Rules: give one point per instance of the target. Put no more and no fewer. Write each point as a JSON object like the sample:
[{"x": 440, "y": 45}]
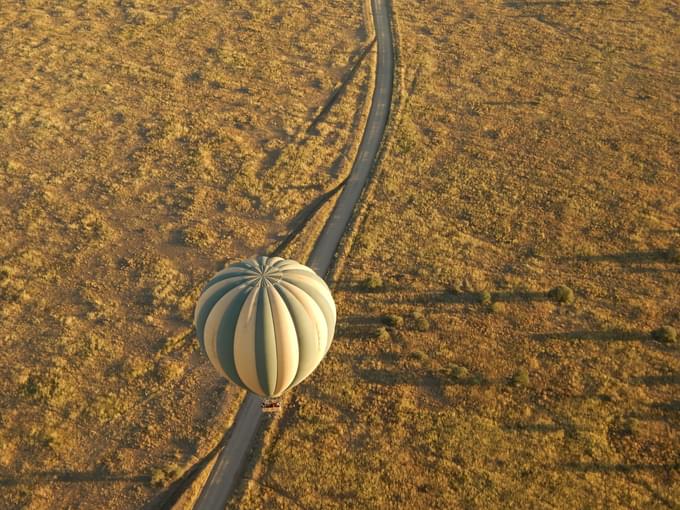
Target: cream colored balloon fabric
[{"x": 266, "y": 323}]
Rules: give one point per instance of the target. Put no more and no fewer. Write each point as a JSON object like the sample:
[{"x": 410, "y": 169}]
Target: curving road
[{"x": 225, "y": 473}]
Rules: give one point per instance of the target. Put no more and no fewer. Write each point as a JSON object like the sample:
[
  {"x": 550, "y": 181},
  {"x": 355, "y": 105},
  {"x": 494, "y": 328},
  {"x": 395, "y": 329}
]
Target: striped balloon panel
[{"x": 265, "y": 323}]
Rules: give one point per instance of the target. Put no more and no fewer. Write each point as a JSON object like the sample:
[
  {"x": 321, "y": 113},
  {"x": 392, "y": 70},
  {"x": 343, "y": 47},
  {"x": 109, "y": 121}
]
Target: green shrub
[
  {"x": 372, "y": 282},
  {"x": 496, "y": 307},
  {"x": 422, "y": 324},
  {"x": 382, "y": 334},
  {"x": 630, "y": 426},
  {"x": 562, "y": 294},
  {"x": 6, "y": 273},
  {"x": 458, "y": 373},
  {"x": 394, "y": 321},
  {"x": 418, "y": 355},
  {"x": 133, "y": 368},
  {"x": 163, "y": 476},
  {"x": 666, "y": 334},
  {"x": 169, "y": 370},
  {"x": 521, "y": 377},
  {"x": 485, "y": 297},
  {"x": 456, "y": 287},
  {"x": 673, "y": 254}
]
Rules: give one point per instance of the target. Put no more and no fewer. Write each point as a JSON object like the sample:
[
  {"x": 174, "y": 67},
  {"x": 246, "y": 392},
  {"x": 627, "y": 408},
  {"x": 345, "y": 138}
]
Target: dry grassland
[
  {"x": 142, "y": 145},
  {"x": 537, "y": 147}
]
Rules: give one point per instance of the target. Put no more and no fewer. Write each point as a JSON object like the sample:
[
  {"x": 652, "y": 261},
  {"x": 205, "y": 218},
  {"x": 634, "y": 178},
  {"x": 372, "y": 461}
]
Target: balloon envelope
[{"x": 265, "y": 323}]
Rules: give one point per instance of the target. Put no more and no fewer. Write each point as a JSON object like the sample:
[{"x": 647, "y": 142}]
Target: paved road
[{"x": 225, "y": 473}]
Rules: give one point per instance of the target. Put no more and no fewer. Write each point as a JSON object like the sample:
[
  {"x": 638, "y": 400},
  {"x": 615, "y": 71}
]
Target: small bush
[
  {"x": 158, "y": 478},
  {"x": 666, "y": 334},
  {"x": 521, "y": 377},
  {"x": 382, "y": 334},
  {"x": 459, "y": 373},
  {"x": 562, "y": 294},
  {"x": 422, "y": 324},
  {"x": 496, "y": 307},
  {"x": 163, "y": 476},
  {"x": 485, "y": 297},
  {"x": 133, "y": 367},
  {"x": 6, "y": 273},
  {"x": 630, "y": 426},
  {"x": 372, "y": 282},
  {"x": 169, "y": 370},
  {"x": 456, "y": 287},
  {"x": 418, "y": 355},
  {"x": 673, "y": 254},
  {"x": 394, "y": 321}
]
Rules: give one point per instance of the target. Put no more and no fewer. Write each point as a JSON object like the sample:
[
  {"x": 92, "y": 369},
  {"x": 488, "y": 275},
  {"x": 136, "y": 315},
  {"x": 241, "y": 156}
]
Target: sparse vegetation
[
  {"x": 163, "y": 476},
  {"x": 459, "y": 373},
  {"x": 372, "y": 282},
  {"x": 562, "y": 294},
  {"x": 420, "y": 321},
  {"x": 382, "y": 334},
  {"x": 521, "y": 377},
  {"x": 666, "y": 334},
  {"x": 394, "y": 321},
  {"x": 496, "y": 307},
  {"x": 485, "y": 298},
  {"x": 418, "y": 355}
]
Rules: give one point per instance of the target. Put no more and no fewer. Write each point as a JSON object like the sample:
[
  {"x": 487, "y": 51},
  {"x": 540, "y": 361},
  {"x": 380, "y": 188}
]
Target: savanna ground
[
  {"x": 537, "y": 146},
  {"x": 143, "y": 144}
]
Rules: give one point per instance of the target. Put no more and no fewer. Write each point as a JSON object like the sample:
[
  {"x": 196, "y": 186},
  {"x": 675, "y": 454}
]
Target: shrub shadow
[
  {"x": 73, "y": 477},
  {"x": 614, "y": 335}
]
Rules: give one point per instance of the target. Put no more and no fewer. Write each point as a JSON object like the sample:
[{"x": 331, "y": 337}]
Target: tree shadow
[
  {"x": 519, "y": 296},
  {"x": 426, "y": 378},
  {"x": 519, "y": 4},
  {"x": 673, "y": 406},
  {"x": 460, "y": 298},
  {"x": 358, "y": 326},
  {"x": 339, "y": 91},
  {"x": 654, "y": 380},
  {"x": 542, "y": 428},
  {"x": 594, "y": 467},
  {"x": 630, "y": 257},
  {"x": 280, "y": 491},
  {"x": 302, "y": 218},
  {"x": 73, "y": 477},
  {"x": 511, "y": 103},
  {"x": 614, "y": 335}
]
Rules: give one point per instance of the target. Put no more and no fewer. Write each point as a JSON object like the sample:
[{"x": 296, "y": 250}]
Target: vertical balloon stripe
[
  {"x": 287, "y": 351},
  {"x": 224, "y": 340},
  {"x": 207, "y": 301},
  {"x": 271, "y": 261},
  {"x": 310, "y": 326},
  {"x": 244, "y": 344},
  {"x": 265, "y": 342},
  {"x": 214, "y": 321},
  {"x": 318, "y": 291}
]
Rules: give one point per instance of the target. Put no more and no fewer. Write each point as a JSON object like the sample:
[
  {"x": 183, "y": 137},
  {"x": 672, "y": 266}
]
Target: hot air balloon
[{"x": 265, "y": 324}]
